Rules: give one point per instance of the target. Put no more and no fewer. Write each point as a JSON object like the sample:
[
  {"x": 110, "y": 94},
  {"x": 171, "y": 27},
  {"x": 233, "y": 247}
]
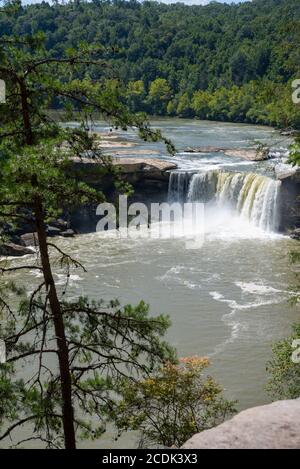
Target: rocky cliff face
[
  {"x": 148, "y": 176},
  {"x": 133, "y": 170},
  {"x": 273, "y": 426},
  {"x": 290, "y": 197}
]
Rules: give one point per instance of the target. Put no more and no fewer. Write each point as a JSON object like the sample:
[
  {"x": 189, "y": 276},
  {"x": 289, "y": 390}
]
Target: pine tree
[{"x": 94, "y": 343}]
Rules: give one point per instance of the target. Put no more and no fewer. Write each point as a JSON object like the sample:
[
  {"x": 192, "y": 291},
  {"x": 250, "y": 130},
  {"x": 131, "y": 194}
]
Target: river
[{"x": 228, "y": 299}]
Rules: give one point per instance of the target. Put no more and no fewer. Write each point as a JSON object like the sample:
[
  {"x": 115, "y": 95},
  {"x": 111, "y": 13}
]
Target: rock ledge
[{"x": 273, "y": 426}]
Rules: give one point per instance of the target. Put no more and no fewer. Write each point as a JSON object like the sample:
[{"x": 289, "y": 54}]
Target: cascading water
[
  {"x": 178, "y": 185},
  {"x": 253, "y": 197}
]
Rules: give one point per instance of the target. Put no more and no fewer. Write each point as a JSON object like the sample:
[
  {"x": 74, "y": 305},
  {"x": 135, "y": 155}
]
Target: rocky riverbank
[
  {"x": 149, "y": 178},
  {"x": 23, "y": 240}
]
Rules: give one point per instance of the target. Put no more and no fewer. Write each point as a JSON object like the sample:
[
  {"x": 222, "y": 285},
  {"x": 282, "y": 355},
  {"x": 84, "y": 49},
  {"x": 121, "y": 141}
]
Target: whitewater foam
[
  {"x": 246, "y": 197},
  {"x": 254, "y": 288}
]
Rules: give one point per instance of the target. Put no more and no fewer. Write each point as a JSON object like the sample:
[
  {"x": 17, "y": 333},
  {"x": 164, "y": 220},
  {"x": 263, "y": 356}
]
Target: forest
[
  {"x": 220, "y": 62},
  {"x": 73, "y": 359}
]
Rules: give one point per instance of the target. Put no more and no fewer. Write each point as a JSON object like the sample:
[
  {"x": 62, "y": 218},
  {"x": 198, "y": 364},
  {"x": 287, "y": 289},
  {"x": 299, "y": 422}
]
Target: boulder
[
  {"x": 52, "y": 230},
  {"x": 285, "y": 171},
  {"x": 29, "y": 239},
  {"x": 295, "y": 234},
  {"x": 273, "y": 426},
  {"x": 68, "y": 233},
  {"x": 249, "y": 154},
  {"x": 11, "y": 249},
  {"x": 205, "y": 149},
  {"x": 289, "y": 132},
  {"x": 59, "y": 223}
]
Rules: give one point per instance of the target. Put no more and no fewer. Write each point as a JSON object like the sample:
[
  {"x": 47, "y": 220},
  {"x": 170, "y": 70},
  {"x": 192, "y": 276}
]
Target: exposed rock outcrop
[
  {"x": 204, "y": 149},
  {"x": 15, "y": 250},
  {"x": 273, "y": 426},
  {"x": 284, "y": 171},
  {"x": 295, "y": 234},
  {"x": 249, "y": 154},
  {"x": 289, "y": 132},
  {"x": 68, "y": 233},
  {"x": 59, "y": 223},
  {"x": 148, "y": 176},
  {"x": 289, "y": 195},
  {"x": 132, "y": 169},
  {"x": 29, "y": 239}
]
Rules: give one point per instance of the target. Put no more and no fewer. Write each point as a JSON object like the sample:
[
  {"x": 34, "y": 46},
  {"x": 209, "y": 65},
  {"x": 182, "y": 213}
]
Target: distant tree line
[{"x": 222, "y": 62}]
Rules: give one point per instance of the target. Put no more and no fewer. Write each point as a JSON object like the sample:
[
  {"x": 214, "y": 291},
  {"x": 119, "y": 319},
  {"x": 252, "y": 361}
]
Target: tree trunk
[
  {"x": 63, "y": 351},
  {"x": 26, "y": 113}
]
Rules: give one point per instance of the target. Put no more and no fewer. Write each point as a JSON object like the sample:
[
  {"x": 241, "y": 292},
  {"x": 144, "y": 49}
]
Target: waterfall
[
  {"x": 178, "y": 186},
  {"x": 253, "y": 197}
]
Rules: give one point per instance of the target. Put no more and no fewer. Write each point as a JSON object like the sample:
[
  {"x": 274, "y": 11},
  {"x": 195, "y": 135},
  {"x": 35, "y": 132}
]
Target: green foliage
[
  {"x": 201, "y": 104},
  {"x": 244, "y": 56},
  {"x": 10, "y": 6},
  {"x": 41, "y": 172},
  {"x": 284, "y": 382},
  {"x": 294, "y": 157},
  {"x": 257, "y": 102},
  {"x": 184, "y": 106},
  {"x": 173, "y": 404},
  {"x": 135, "y": 95},
  {"x": 159, "y": 95},
  {"x": 106, "y": 342}
]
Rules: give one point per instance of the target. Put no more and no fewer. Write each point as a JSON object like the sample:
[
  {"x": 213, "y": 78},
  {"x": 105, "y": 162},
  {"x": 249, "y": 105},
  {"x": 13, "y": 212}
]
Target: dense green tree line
[
  {"x": 257, "y": 102},
  {"x": 243, "y": 56}
]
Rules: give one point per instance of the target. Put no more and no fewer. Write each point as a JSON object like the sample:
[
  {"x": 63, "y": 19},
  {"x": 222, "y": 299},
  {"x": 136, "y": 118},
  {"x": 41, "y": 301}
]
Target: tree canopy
[{"x": 245, "y": 54}]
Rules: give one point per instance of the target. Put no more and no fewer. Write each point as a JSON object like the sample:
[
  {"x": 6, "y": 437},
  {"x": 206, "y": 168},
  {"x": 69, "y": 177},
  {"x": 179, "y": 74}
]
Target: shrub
[{"x": 173, "y": 405}]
